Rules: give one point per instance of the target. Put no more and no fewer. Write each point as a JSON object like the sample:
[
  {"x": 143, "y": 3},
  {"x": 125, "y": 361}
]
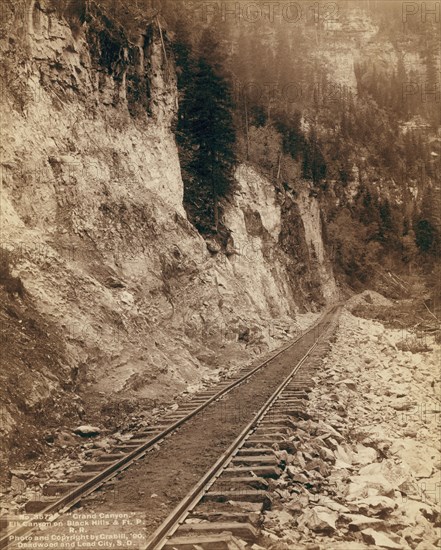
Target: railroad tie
[
  {"x": 36, "y": 506},
  {"x": 260, "y": 460},
  {"x": 273, "y": 472},
  {"x": 255, "y": 451},
  {"x": 223, "y": 541},
  {"x": 54, "y": 489},
  {"x": 265, "y": 440},
  {"x": 93, "y": 467},
  {"x": 148, "y": 433},
  {"x": 250, "y": 482},
  {"x": 82, "y": 477},
  {"x": 223, "y": 516},
  {"x": 245, "y": 531},
  {"x": 247, "y": 495},
  {"x": 109, "y": 458}
]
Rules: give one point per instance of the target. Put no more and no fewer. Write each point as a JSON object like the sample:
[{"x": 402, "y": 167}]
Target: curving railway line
[
  {"x": 237, "y": 462},
  {"x": 205, "y": 518}
]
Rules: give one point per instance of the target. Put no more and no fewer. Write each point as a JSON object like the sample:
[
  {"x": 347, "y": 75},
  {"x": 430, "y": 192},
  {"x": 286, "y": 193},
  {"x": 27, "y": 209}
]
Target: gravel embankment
[{"x": 367, "y": 473}]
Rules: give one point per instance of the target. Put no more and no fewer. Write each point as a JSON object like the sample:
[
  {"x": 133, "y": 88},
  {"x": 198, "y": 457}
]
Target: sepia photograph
[{"x": 220, "y": 275}]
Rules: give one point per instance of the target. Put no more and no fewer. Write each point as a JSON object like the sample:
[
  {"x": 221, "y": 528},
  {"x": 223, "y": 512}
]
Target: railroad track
[
  {"x": 207, "y": 518},
  {"x": 58, "y": 498}
]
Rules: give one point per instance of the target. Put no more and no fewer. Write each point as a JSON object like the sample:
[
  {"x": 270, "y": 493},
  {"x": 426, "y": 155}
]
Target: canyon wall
[{"x": 138, "y": 306}]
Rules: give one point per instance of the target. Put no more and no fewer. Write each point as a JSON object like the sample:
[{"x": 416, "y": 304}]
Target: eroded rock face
[{"x": 92, "y": 209}]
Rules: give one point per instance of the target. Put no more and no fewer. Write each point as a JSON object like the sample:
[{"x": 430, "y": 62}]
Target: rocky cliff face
[{"x": 91, "y": 210}]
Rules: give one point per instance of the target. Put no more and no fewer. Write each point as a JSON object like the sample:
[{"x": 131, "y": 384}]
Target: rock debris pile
[{"x": 364, "y": 470}]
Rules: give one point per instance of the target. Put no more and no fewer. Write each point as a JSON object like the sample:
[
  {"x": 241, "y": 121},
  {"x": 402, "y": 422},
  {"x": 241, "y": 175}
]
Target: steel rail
[
  {"x": 67, "y": 501},
  {"x": 166, "y": 530}
]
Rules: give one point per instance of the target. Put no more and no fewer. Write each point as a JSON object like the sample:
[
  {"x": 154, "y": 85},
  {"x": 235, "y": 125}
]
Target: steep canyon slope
[{"x": 122, "y": 293}]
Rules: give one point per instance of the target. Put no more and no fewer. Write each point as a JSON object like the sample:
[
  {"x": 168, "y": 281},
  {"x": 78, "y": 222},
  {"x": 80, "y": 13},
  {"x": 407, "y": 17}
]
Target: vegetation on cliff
[{"x": 264, "y": 94}]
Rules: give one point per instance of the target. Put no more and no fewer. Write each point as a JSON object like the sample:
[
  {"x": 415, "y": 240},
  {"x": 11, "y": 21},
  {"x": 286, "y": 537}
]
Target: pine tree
[
  {"x": 409, "y": 249},
  {"x": 206, "y": 135},
  {"x": 291, "y": 132},
  {"x": 428, "y": 222},
  {"x": 314, "y": 164}
]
